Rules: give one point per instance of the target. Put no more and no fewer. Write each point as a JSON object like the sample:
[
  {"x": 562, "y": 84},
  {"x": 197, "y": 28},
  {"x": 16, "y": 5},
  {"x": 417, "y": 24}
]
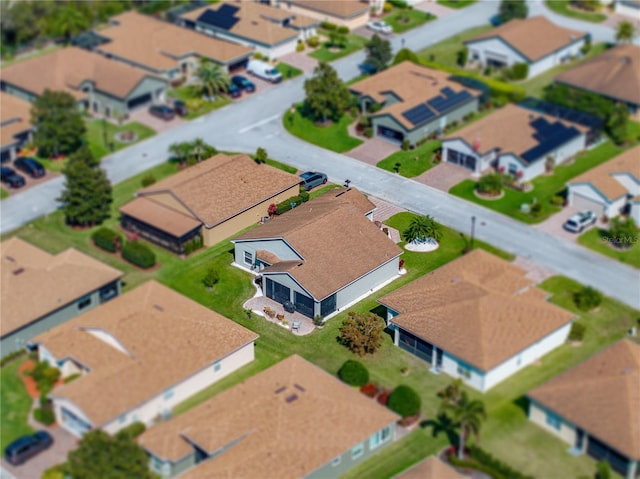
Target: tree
[
  {"x": 623, "y": 232},
  {"x": 327, "y": 96},
  {"x": 68, "y": 21},
  {"x": 618, "y": 125},
  {"x": 467, "y": 415},
  {"x": 181, "y": 151},
  {"x": 362, "y": 333},
  {"x": 100, "y": 455},
  {"x": 212, "y": 78},
  {"x": 58, "y": 123},
  {"x": 353, "y": 373},
  {"x": 421, "y": 229},
  {"x": 212, "y": 278},
  {"x": 261, "y": 155},
  {"x": 490, "y": 184},
  {"x": 404, "y": 55},
  {"x": 87, "y": 194},
  {"x": 450, "y": 394},
  {"x": 337, "y": 39},
  {"x": 510, "y": 9},
  {"x": 378, "y": 53},
  {"x": 625, "y": 32}
]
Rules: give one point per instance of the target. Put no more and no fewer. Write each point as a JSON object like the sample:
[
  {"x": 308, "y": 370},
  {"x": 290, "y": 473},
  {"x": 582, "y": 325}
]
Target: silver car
[
  {"x": 578, "y": 222},
  {"x": 380, "y": 26}
]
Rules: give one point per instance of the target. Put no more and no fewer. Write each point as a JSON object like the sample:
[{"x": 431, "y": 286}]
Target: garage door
[
  {"x": 389, "y": 134},
  {"x": 461, "y": 159},
  {"x": 582, "y": 203},
  {"x": 139, "y": 101}
]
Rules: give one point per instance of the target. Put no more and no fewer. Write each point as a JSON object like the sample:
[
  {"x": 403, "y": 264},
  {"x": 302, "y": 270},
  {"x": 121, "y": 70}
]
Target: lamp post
[{"x": 473, "y": 229}]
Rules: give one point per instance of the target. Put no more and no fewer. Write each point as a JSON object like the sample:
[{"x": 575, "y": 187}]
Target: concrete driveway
[
  {"x": 372, "y": 150},
  {"x": 438, "y": 10},
  {"x": 301, "y": 60},
  {"x": 143, "y": 116},
  {"x": 553, "y": 225},
  {"x": 443, "y": 176}
]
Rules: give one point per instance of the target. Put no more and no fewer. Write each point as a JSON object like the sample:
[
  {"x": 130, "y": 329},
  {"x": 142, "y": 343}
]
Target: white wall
[
  {"x": 538, "y": 414},
  {"x": 278, "y": 247},
  {"x": 627, "y": 11},
  {"x": 635, "y": 212},
  {"x": 367, "y": 283},
  {"x": 462, "y": 147},
  {"x": 556, "y": 58},
  {"x": 576, "y": 192}
]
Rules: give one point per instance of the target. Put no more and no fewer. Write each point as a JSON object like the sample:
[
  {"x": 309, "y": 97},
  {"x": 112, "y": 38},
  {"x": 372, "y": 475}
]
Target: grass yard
[
  {"x": 16, "y": 404},
  {"x": 403, "y": 19},
  {"x": 288, "y": 71},
  {"x": 598, "y": 240},
  {"x": 562, "y": 7},
  {"x": 334, "y": 137},
  {"x": 197, "y": 106},
  {"x": 3, "y": 193},
  {"x": 446, "y": 52},
  {"x": 456, "y": 3},
  {"x": 325, "y": 53},
  {"x": 544, "y": 187},
  {"x": 410, "y": 167},
  {"x": 281, "y": 166},
  {"x": 96, "y": 135}
]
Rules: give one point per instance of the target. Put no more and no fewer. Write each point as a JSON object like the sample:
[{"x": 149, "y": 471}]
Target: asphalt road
[{"x": 256, "y": 121}]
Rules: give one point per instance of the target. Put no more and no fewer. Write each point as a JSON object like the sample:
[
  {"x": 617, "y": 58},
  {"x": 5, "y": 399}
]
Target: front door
[
  {"x": 579, "y": 439},
  {"x": 438, "y": 358}
]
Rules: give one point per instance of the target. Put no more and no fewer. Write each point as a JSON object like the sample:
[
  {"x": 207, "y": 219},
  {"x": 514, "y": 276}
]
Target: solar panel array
[
  {"x": 562, "y": 112},
  {"x": 549, "y": 136},
  {"x": 224, "y": 18},
  {"x": 418, "y": 114},
  {"x": 448, "y": 99}
]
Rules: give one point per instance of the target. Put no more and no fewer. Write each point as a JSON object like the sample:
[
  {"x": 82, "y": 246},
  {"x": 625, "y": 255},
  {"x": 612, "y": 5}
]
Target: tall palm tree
[
  {"x": 198, "y": 147},
  {"x": 181, "y": 151},
  {"x": 213, "y": 78},
  {"x": 69, "y": 21},
  {"x": 422, "y": 228},
  {"x": 468, "y": 414},
  {"x": 625, "y": 32}
]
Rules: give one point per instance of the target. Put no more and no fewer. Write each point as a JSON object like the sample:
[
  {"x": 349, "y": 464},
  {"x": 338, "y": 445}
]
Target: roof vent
[
  {"x": 158, "y": 307},
  {"x": 298, "y": 387},
  {"x": 456, "y": 279},
  {"x": 10, "y": 258},
  {"x": 280, "y": 389},
  {"x": 253, "y": 22},
  {"x": 626, "y": 371},
  {"x": 18, "y": 271},
  {"x": 291, "y": 398}
]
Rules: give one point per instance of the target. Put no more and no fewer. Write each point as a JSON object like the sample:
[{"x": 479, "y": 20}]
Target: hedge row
[
  {"x": 138, "y": 254},
  {"x": 193, "y": 245},
  {"x": 132, "y": 431},
  {"x": 134, "y": 252},
  {"x": 285, "y": 206},
  {"x": 106, "y": 239}
]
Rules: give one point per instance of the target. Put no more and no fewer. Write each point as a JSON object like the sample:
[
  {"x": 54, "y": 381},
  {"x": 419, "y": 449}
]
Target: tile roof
[
  {"x": 163, "y": 338},
  {"x": 413, "y": 84},
  {"x": 614, "y": 73},
  {"x": 219, "y": 188},
  {"x": 272, "y": 415},
  {"x": 344, "y": 8},
  {"x": 159, "y": 44},
  {"x": 160, "y": 216},
  {"x": 36, "y": 283},
  {"x": 337, "y": 242},
  {"x": 474, "y": 309},
  {"x": 601, "y": 396},
  {"x": 602, "y": 176},
  {"x": 66, "y": 69},
  {"x": 511, "y": 128},
  {"x": 534, "y": 37},
  {"x": 15, "y": 117},
  {"x": 430, "y": 468}
]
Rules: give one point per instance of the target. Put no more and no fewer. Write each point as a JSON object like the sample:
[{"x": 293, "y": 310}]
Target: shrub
[
  {"x": 587, "y": 298},
  {"x": 463, "y": 56},
  {"x": 369, "y": 390},
  {"x": 304, "y": 196},
  {"x": 55, "y": 472},
  {"x": 72, "y": 377},
  {"x": 313, "y": 42},
  {"x": 353, "y": 373},
  {"x": 300, "y": 47},
  {"x": 404, "y": 401},
  {"x": 138, "y": 254},
  {"x": 490, "y": 184},
  {"x": 557, "y": 200},
  {"x": 404, "y": 55},
  {"x": 398, "y": 3},
  {"x": 44, "y": 416},
  {"x": 132, "y": 431},
  {"x": 577, "y": 332},
  {"x": 211, "y": 279},
  {"x": 258, "y": 56},
  {"x": 364, "y": 121},
  {"x": 383, "y": 397},
  {"x": 623, "y": 232},
  {"x": 603, "y": 470},
  {"x": 344, "y": 30},
  {"x": 405, "y": 144},
  {"x": 106, "y": 239},
  {"x": 45, "y": 376},
  {"x": 387, "y": 7},
  {"x": 11, "y": 356},
  {"x": 487, "y": 71},
  {"x": 483, "y": 461},
  {"x": 148, "y": 180},
  {"x": 536, "y": 209},
  {"x": 332, "y": 27},
  {"x": 368, "y": 132},
  {"x": 519, "y": 71}
]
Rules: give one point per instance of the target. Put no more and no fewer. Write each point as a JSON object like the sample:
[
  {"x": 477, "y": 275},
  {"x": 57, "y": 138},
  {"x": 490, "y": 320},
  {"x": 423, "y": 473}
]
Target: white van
[{"x": 264, "y": 70}]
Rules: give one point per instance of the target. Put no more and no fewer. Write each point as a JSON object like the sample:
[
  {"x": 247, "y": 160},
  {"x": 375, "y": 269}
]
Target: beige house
[
  {"x": 595, "y": 407},
  {"x": 138, "y": 356},
  {"x": 41, "y": 291},
  {"x": 348, "y": 13},
  {"x": 15, "y": 126},
  {"x": 430, "y": 468},
  {"x": 213, "y": 199},
  {"x": 290, "y": 421}
]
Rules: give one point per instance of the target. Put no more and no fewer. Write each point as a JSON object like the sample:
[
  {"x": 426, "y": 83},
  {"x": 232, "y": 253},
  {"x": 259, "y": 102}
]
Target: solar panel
[
  {"x": 418, "y": 114},
  {"x": 447, "y": 91},
  {"x": 224, "y": 18},
  {"x": 557, "y": 135},
  {"x": 442, "y": 104}
]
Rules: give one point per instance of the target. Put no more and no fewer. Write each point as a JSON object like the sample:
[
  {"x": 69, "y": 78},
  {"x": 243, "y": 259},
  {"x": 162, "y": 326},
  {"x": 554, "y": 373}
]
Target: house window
[
  {"x": 357, "y": 451},
  {"x": 464, "y": 371},
  {"x": 553, "y": 420},
  {"x": 248, "y": 257},
  {"x": 216, "y": 367},
  {"x": 84, "y": 302},
  {"x": 168, "y": 394},
  {"x": 122, "y": 419},
  {"x": 385, "y": 434},
  {"x": 336, "y": 461},
  {"x": 513, "y": 169},
  {"x": 156, "y": 464}
]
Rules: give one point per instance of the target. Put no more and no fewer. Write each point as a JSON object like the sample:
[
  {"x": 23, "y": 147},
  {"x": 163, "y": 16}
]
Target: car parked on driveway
[
  {"x": 26, "y": 447},
  {"x": 311, "y": 179},
  {"x": 162, "y": 111},
  {"x": 578, "y": 222},
  {"x": 11, "y": 178},
  {"x": 180, "y": 108},
  {"x": 380, "y": 26},
  {"x": 234, "y": 91},
  {"x": 243, "y": 83},
  {"x": 30, "y": 166}
]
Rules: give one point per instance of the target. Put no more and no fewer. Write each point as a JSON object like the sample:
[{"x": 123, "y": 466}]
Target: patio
[{"x": 258, "y": 304}]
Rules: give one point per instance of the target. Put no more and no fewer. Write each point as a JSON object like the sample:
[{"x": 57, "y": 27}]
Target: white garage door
[{"x": 582, "y": 203}]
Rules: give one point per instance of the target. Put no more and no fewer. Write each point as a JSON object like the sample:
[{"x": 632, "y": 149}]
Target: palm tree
[
  {"x": 625, "y": 32},
  {"x": 213, "y": 78},
  {"x": 451, "y": 394},
  {"x": 181, "y": 151},
  {"x": 468, "y": 415},
  {"x": 68, "y": 21},
  {"x": 198, "y": 147},
  {"x": 421, "y": 229}
]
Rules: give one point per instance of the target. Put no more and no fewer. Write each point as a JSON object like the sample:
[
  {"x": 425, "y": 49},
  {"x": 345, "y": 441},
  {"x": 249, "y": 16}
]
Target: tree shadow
[
  {"x": 442, "y": 424},
  {"x": 523, "y": 403}
]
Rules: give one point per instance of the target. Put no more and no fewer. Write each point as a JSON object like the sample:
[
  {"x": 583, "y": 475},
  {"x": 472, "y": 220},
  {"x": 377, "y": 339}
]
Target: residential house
[
  {"x": 535, "y": 41},
  {"x": 271, "y": 31},
  {"x": 595, "y": 407},
  {"x": 213, "y": 199},
  {"x": 138, "y": 356},
  {"x": 291, "y": 421},
  {"x": 628, "y": 8},
  {"x": 614, "y": 74},
  {"x": 478, "y": 318},
  {"x": 411, "y": 102},
  {"x": 431, "y": 468},
  {"x": 41, "y": 290},
  {"x": 164, "y": 49},
  {"x": 322, "y": 256},
  {"x": 99, "y": 85},
  {"x": 610, "y": 188},
  {"x": 516, "y": 141},
  {"x": 348, "y": 13},
  {"x": 15, "y": 126}
]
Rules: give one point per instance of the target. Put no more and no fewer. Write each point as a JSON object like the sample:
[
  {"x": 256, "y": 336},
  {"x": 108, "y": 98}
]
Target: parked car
[
  {"x": 234, "y": 91},
  {"x": 380, "y": 26},
  {"x": 180, "y": 108},
  {"x": 578, "y": 222},
  {"x": 162, "y": 111},
  {"x": 11, "y": 178},
  {"x": 26, "y": 447},
  {"x": 264, "y": 70},
  {"x": 30, "y": 166},
  {"x": 311, "y": 179},
  {"x": 243, "y": 83}
]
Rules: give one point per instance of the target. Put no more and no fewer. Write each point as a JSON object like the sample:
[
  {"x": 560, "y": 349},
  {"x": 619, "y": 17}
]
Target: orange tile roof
[
  {"x": 475, "y": 309},
  {"x": 15, "y": 117},
  {"x": 162, "y": 337},
  {"x": 601, "y": 396},
  {"x": 160, "y": 216},
  {"x": 36, "y": 283},
  {"x": 272, "y": 415},
  {"x": 430, "y": 468},
  {"x": 343, "y": 8},
  {"x": 534, "y": 37}
]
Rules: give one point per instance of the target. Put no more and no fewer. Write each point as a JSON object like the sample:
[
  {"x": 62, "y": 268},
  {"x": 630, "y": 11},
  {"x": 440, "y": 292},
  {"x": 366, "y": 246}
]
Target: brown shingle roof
[
  {"x": 601, "y": 177},
  {"x": 158, "y": 44},
  {"x": 614, "y": 73},
  {"x": 337, "y": 242},
  {"x": 473, "y": 308},
  {"x": 15, "y": 117},
  {"x": 601, "y": 396},
  {"x": 160, "y": 216},
  {"x": 430, "y": 468},
  {"x": 222, "y": 186},
  {"x": 534, "y": 37},
  {"x": 165, "y": 337},
  {"x": 273, "y": 433},
  {"x": 343, "y": 8},
  {"x": 36, "y": 283},
  {"x": 413, "y": 84}
]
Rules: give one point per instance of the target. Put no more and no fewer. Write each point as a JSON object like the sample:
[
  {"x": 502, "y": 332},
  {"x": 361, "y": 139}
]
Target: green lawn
[
  {"x": 446, "y": 52},
  {"x": 562, "y": 7},
  {"x": 16, "y": 404},
  {"x": 409, "y": 165},
  {"x": 544, "y": 187},
  {"x": 3, "y": 193},
  {"x": 281, "y": 166},
  {"x": 288, "y": 71},
  {"x": 456, "y": 3},
  {"x": 404, "y": 19},
  {"x": 598, "y": 240},
  {"x": 334, "y": 137},
  {"x": 197, "y": 106},
  {"x": 325, "y": 53}
]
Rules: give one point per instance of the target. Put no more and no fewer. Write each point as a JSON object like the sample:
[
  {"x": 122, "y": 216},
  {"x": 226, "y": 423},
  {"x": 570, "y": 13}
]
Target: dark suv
[
  {"x": 162, "y": 111},
  {"x": 180, "y": 108},
  {"x": 30, "y": 166},
  {"x": 233, "y": 90},
  {"x": 26, "y": 447},
  {"x": 11, "y": 178},
  {"x": 243, "y": 83}
]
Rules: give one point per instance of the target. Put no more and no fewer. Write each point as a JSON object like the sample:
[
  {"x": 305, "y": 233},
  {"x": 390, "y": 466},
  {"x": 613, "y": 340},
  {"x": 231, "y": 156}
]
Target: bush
[
  {"x": 494, "y": 466},
  {"x": 313, "y": 42},
  {"x": 387, "y": 7},
  {"x": 536, "y": 209},
  {"x": 106, "y": 239},
  {"x": 557, "y": 200},
  {"x": 490, "y": 184},
  {"x": 519, "y": 71},
  {"x": 353, "y": 373},
  {"x": 148, "y": 180},
  {"x": 624, "y": 232},
  {"x": 404, "y": 55},
  {"x": 11, "y": 356},
  {"x": 369, "y": 390},
  {"x": 44, "y": 416},
  {"x": 404, "y": 401},
  {"x": 364, "y": 121},
  {"x": 138, "y": 254},
  {"x": 463, "y": 56},
  {"x": 332, "y": 27},
  {"x": 286, "y": 204},
  {"x": 405, "y": 145},
  {"x": 344, "y": 30},
  {"x": 300, "y": 47},
  {"x": 368, "y": 132},
  {"x": 603, "y": 470},
  {"x": 587, "y": 298},
  {"x": 45, "y": 376},
  {"x": 383, "y": 397},
  {"x": 55, "y": 472},
  {"x": 398, "y": 3},
  {"x": 577, "y": 332},
  {"x": 72, "y": 377},
  {"x": 318, "y": 320},
  {"x": 132, "y": 431},
  {"x": 212, "y": 278},
  {"x": 193, "y": 245},
  {"x": 258, "y": 56},
  {"x": 304, "y": 196}
]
